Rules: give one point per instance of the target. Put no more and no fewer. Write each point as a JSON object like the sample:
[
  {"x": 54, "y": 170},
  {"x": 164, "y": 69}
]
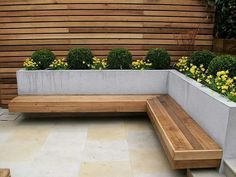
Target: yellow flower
[
  {"x": 193, "y": 69},
  {"x": 224, "y": 87},
  {"x": 229, "y": 81},
  {"x": 219, "y": 73},
  {"x": 210, "y": 77},
  {"x": 223, "y": 91}
]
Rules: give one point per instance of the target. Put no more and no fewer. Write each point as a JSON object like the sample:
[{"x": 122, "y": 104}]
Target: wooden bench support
[{"x": 184, "y": 141}]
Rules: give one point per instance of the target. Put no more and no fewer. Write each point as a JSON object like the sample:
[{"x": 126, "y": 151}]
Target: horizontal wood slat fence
[{"x": 27, "y": 25}]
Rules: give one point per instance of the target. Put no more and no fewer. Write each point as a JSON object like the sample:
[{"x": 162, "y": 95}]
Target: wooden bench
[
  {"x": 82, "y": 103},
  {"x": 186, "y": 144},
  {"x": 5, "y": 173}
]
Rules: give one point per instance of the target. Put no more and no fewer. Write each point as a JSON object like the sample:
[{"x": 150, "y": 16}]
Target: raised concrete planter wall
[
  {"x": 48, "y": 82},
  {"x": 214, "y": 113}
]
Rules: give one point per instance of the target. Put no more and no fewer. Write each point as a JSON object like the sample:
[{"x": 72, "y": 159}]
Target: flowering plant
[
  {"x": 221, "y": 83},
  {"x": 99, "y": 63},
  {"x": 59, "y": 64},
  {"x": 141, "y": 65},
  {"x": 30, "y": 64}
]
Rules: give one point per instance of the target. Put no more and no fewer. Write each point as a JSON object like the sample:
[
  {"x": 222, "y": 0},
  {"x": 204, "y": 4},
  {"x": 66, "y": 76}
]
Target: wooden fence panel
[{"x": 28, "y": 25}]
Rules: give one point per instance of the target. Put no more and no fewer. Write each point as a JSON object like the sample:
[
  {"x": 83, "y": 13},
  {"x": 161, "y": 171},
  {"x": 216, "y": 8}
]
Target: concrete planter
[
  {"x": 213, "y": 112},
  {"x": 49, "y": 82}
]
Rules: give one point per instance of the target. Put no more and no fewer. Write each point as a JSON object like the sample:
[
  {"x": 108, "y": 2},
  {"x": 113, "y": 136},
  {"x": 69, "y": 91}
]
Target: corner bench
[{"x": 185, "y": 143}]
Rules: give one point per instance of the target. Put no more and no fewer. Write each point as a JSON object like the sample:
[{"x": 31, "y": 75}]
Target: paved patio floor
[{"x": 118, "y": 146}]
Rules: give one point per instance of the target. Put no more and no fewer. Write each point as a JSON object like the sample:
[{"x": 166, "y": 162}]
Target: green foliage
[
  {"x": 43, "y": 57},
  {"x": 159, "y": 58},
  {"x": 225, "y": 18},
  {"x": 223, "y": 63},
  {"x": 225, "y": 25},
  {"x": 119, "y": 58},
  {"x": 221, "y": 82},
  {"x": 232, "y": 97},
  {"x": 80, "y": 58},
  {"x": 202, "y": 58}
]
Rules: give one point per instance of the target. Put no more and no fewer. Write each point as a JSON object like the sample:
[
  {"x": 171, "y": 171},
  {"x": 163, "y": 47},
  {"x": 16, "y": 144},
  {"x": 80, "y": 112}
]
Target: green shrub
[
  {"x": 80, "y": 58},
  {"x": 225, "y": 23},
  {"x": 43, "y": 57},
  {"x": 119, "y": 58},
  {"x": 223, "y": 63},
  {"x": 202, "y": 58},
  {"x": 159, "y": 58}
]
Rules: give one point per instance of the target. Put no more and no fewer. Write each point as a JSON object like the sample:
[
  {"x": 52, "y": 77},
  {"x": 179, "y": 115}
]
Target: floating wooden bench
[
  {"x": 186, "y": 144},
  {"x": 85, "y": 103}
]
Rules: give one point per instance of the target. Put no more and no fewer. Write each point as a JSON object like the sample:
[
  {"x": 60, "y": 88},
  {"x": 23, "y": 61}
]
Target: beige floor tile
[
  {"x": 148, "y": 161},
  {"x": 142, "y": 139},
  {"x": 23, "y": 143},
  {"x": 51, "y": 165},
  {"x": 106, "y": 169},
  {"x": 106, "y": 151},
  {"x": 105, "y": 147},
  {"x": 139, "y": 124},
  {"x": 107, "y": 131}
]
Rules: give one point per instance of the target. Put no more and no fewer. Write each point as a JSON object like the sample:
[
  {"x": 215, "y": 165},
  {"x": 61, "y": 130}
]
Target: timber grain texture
[
  {"x": 28, "y": 25},
  {"x": 83, "y": 103}
]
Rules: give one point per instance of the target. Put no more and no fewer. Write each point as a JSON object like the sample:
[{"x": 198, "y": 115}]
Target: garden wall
[{"x": 27, "y": 25}]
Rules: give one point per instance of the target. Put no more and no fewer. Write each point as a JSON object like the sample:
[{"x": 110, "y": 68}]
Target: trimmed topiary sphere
[
  {"x": 80, "y": 58},
  {"x": 223, "y": 63},
  {"x": 43, "y": 57},
  {"x": 202, "y": 58},
  {"x": 119, "y": 59},
  {"x": 159, "y": 58}
]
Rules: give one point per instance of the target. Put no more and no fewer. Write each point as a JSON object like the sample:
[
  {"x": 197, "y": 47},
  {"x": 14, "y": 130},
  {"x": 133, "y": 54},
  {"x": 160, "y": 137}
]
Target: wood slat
[
  {"x": 166, "y": 2},
  {"x": 173, "y": 7}
]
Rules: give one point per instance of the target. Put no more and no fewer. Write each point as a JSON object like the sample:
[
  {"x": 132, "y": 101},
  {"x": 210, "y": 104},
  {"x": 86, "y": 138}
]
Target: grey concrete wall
[{"x": 48, "y": 82}]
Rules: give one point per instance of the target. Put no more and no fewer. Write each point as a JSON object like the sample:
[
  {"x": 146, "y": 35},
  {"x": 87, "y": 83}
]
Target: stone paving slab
[{"x": 82, "y": 147}]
